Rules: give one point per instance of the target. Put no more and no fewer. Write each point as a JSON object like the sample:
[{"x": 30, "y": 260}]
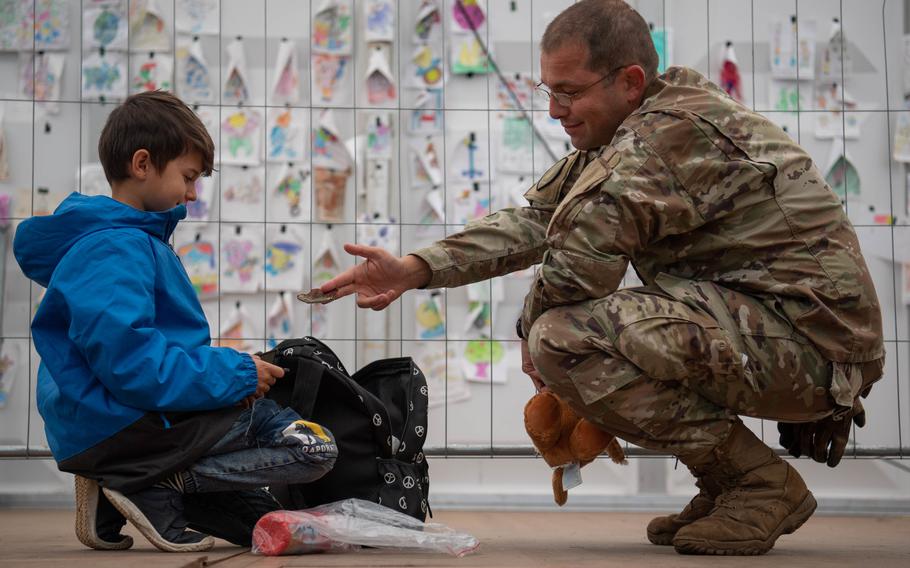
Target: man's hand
[
  {"x": 527, "y": 366},
  {"x": 380, "y": 279},
  {"x": 266, "y": 375},
  {"x": 825, "y": 440}
]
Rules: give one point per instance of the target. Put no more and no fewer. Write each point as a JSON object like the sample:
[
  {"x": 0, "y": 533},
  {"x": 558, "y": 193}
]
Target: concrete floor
[{"x": 33, "y": 538}]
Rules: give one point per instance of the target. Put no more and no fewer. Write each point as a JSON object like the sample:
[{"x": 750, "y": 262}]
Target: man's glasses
[{"x": 565, "y": 99}]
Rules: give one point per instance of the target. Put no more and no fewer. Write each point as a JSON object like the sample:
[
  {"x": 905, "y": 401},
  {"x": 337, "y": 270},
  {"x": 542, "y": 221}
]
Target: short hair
[
  {"x": 613, "y": 32},
  {"x": 156, "y": 121}
]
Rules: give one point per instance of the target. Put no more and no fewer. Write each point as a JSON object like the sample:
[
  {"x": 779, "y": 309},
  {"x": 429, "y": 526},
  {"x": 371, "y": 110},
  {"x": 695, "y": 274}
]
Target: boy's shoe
[
  {"x": 98, "y": 524},
  {"x": 229, "y": 515},
  {"x": 158, "y": 514}
]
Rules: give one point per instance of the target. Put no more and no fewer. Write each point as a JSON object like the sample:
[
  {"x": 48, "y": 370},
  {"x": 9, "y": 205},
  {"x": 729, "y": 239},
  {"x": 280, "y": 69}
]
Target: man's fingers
[
  {"x": 838, "y": 446},
  {"x": 344, "y": 279},
  {"x": 822, "y": 439},
  {"x": 860, "y": 419},
  {"x": 368, "y": 252}
]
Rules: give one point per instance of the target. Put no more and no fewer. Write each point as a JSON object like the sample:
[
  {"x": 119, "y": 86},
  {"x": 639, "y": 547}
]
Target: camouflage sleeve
[
  {"x": 505, "y": 241},
  {"x": 623, "y": 202}
]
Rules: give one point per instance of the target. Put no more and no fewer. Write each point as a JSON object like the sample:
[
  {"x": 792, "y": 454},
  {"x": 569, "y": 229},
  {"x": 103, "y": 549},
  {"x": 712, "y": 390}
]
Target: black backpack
[{"x": 378, "y": 417}]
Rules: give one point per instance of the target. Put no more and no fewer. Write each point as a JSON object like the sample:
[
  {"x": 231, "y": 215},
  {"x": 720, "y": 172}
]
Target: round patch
[
  {"x": 423, "y": 505},
  {"x": 408, "y": 482},
  {"x": 389, "y": 478},
  {"x": 419, "y": 457},
  {"x": 377, "y": 420},
  {"x": 419, "y": 431},
  {"x": 423, "y": 390},
  {"x": 403, "y": 503}
]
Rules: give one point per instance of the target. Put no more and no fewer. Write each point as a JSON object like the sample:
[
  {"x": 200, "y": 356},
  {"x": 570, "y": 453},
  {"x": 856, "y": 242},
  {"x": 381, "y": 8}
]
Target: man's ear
[
  {"x": 141, "y": 164},
  {"x": 633, "y": 80}
]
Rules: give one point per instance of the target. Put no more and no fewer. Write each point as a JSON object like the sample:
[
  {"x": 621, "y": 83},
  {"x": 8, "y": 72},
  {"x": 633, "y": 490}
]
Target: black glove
[{"x": 824, "y": 440}]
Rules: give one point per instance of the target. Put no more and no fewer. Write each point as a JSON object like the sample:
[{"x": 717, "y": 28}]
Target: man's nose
[{"x": 556, "y": 109}]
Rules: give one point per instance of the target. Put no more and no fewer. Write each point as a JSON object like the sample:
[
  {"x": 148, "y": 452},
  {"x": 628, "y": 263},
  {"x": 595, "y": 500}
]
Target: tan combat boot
[
  {"x": 661, "y": 530},
  {"x": 762, "y": 498}
]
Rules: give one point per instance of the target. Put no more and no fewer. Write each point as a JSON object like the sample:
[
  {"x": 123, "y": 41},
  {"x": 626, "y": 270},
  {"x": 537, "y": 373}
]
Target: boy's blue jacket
[{"x": 120, "y": 330}]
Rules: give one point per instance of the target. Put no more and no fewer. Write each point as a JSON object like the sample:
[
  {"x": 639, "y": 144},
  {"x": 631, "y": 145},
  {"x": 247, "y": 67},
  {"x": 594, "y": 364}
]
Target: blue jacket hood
[{"x": 41, "y": 242}]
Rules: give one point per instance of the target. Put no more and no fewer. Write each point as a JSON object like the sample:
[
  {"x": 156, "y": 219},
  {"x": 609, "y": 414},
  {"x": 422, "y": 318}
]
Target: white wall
[{"x": 492, "y": 416}]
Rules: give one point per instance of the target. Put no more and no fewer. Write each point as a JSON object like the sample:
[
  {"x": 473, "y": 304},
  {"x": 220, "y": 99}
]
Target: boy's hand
[{"x": 266, "y": 375}]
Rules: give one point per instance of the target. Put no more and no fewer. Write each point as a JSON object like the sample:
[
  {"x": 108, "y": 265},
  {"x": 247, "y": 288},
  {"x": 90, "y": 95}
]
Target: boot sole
[
  {"x": 661, "y": 539},
  {"x": 132, "y": 513},
  {"x": 750, "y": 547},
  {"x": 86, "y": 517}
]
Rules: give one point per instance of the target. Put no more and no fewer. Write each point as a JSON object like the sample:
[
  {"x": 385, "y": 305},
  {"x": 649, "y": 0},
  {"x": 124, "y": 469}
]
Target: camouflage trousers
[{"x": 670, "y": 368}]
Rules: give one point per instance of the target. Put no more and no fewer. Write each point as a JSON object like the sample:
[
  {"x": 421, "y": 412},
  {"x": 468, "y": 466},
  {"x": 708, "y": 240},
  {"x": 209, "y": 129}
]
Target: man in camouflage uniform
[{"x": 757, "y": 301}]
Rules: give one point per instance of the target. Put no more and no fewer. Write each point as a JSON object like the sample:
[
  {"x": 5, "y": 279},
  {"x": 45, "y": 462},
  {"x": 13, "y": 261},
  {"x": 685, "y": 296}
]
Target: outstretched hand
[{"x": 380, "y": 279}]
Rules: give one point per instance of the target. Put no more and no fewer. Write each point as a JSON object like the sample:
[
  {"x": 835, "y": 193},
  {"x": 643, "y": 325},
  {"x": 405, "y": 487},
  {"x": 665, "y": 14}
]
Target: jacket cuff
[
  {"x": 248, "y": 374},
  {"x": 439, "y": 262}
]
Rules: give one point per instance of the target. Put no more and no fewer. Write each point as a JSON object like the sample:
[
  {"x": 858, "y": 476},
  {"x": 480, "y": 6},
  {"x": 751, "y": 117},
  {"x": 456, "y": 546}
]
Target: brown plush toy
[{"x": 563, "y": 438}]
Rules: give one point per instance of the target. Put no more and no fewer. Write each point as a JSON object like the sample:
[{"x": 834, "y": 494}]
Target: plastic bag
[{"x": 343, "y": 525}]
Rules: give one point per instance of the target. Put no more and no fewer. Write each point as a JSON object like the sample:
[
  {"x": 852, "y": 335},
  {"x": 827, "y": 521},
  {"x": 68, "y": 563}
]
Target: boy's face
[{"x": 174, "y": 186}]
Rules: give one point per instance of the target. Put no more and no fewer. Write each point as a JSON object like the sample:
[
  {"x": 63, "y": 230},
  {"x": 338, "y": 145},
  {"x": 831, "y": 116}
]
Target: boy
[{"x": 133, "y": 396}]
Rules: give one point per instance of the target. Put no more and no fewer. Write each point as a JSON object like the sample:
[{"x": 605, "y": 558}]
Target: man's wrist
[{"x": 419, "y": 272}]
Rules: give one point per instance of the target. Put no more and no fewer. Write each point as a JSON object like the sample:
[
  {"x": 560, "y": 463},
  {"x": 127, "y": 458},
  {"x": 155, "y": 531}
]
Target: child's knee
[{"x": 314, "y": 443}]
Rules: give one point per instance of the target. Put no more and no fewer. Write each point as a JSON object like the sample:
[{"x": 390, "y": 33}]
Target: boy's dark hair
[
  {"x": 156, "y": 121},
  {"x": 613, "y": 32}
]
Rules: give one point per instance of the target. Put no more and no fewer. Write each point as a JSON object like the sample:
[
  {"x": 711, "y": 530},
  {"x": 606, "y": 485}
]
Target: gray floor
[{"x": 525, "y": 539}]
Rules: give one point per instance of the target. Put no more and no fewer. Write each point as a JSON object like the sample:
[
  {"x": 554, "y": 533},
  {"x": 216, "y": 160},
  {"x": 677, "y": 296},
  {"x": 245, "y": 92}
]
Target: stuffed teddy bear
[{"x": 566, "y": 441}]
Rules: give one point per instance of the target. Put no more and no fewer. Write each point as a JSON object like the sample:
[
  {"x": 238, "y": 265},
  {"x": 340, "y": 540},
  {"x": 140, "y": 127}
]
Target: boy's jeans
[{"x": 255, "y": 452}]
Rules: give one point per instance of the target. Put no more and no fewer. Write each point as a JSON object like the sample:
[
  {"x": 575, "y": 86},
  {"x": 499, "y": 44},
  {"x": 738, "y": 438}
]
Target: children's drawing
[
  {"x": 326, "y": 265},
  {"x": 433, "y": 208},
  {"x": 197, "y": 16},
  {"x": 196, "y": 246},
  {"x": 901, "y": 146},
  {"x": 379, "y": 16},
  {"x": 202, "y": 208},
  {"x": 328, "y": 72},
  {"x": 430, "y": 314},
  {"x": 789, "y": 96},
  {"x": 792, "y": 58},
  {"x": 380, "y": 82},
  {"x": 516, "y": 148},
  {"x": 468, "y": 56},
  {"x": 51, "y": 24},
  {"x": 663, "y": 44},
  {"x": 427, "y": 116},
  {"x": 286, "y": 80},
  {"x": 237, "y": 331},
  {"x": 378, "y": 232},
  {"x": 241, "y": 136},
  {"x": 478, "y": 359},
  {"x": 152, "y": 73},
  {"x": 467, "y": 15},
  {"x": 332, "y": 27},
  {"x": 280, "y": 321},
  {"x": 236, "y": 85},
  {"x": 379, "y": 136},
  {"x": 289, "y": 196},
  {"x": 104, "y": 76},
  {"x": 4, "y": 167},
  {"x": 426, "y": 66},
  {"x": 425, "y": 166},
  {"x": 522, "y": 84},
  {"x": 13, "y": 364},
  {"x": 838, "y": 121},
  {"x": 284, "y": 258},
  {"x": 835, "y": 61},
  {"x": 90, "y": 180},
  {"x": 211, "y": 119},
  {"x": 194, "y": 79},
  {"x": 331, "y": 187},
  {"x": 470, "y": 161},
  {"x": 445, "y": 381},
  {"x": 241, "y": 259},
  {"x": 15, "y": 24},
  {"x": 428, "y": 19},
  {"x": 730, "y": 80},
  {"x": 328, "y": 149},
  {"x": 287, "y": 133},
  {"x": 840, "y": 173},
  {"x": 242, "y": 194},
  {"x": 104, "y": 27},
  {"x": 470, "y": 203},
  {"x": 40, "y": 75},
  {"x": 147, "y": 27}
]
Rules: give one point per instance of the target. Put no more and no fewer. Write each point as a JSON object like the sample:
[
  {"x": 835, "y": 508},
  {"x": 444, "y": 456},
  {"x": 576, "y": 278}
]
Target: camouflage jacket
[{"x": 693, "y": 186}]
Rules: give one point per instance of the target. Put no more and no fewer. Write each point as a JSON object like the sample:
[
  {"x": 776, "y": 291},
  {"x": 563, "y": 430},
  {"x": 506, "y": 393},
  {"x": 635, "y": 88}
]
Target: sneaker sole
[
  {"x": 789, "y": 525},
  {"x": 86, "y": 521},
  {"x": 132, "y": 513}
]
